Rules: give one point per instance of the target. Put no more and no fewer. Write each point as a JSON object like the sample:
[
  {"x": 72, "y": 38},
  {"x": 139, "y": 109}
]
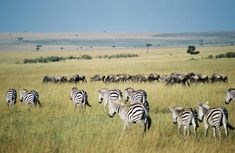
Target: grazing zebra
[
  {"x": 30, "y": 97},
  {"x": 11, "y": 96},
  {"x": 133, "y": 113},
  {"x": 136, "y": 96},
  {"x": 184, "y": 117},
  {"x": 230, "y": 95},
  {"x": 108, "y": 96},
  {"x": 214, "y": 117},
  {"x": 79, "y": 97}
]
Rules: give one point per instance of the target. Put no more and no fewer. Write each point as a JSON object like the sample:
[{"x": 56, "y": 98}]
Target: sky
[{"x": 162, "y": 16}]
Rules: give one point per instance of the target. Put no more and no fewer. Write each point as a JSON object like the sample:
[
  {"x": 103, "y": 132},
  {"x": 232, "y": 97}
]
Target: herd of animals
[
  {"x": 133, "y": 107},
  {"x": 173, "y": 78}
]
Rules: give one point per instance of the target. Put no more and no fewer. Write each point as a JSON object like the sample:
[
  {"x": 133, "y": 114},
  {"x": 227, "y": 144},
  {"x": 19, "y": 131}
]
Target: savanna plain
[{"x": 56, "y": 127}]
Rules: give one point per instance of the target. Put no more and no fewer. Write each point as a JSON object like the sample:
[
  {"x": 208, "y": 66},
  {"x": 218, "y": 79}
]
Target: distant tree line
[
  {"x": 117, "y": 56},
  {"x": 54, "y": 59}
]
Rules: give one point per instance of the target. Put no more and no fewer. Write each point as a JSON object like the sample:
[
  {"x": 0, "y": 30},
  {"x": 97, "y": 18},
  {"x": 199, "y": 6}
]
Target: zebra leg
[
  {"x": 225, "y": 129},
  {"x": 206, "y": 129},
  {"x": 125, "y": 126},
  {"x": 75, "y": 106},
  {"x": 179, "y": 126},
  {"x": 217, "y": 130},
  {"x": 185, "y": 130}
]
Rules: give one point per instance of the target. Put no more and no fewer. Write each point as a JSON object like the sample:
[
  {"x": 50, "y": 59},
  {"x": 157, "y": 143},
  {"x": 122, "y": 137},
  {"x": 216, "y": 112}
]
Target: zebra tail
[
  {"x": 88, "y": 104},
  {"x": 39, "y": 103},
  {"x": 149, "y": 122},
  {"x": 230, "y": 126}
]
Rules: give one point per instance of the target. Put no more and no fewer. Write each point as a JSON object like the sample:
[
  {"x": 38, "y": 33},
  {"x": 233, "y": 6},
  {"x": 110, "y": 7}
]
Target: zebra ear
[{"x": 170, "y": 108}]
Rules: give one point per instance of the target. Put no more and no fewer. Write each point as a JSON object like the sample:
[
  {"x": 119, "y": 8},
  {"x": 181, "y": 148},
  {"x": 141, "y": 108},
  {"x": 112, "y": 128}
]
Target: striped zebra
[
  {"x": 106, "y": 96},
  {"x": 230, "y": 95},
  {"x": 79, "y": 97},
  {"x": 30, "y": 97},
  {"x": 184, "y": 117},
  {"x": 132, "y": 113},
  {"x": 136, "y": 96},
  {"x": 214, "y": 117},
  {"x": 11, "y": 96}
]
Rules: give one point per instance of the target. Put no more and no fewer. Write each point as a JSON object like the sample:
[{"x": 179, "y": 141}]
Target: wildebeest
[
  {"x": 97, "y": 77},
  {"x": 219, "y": 78},
  {"x": 177, "y": 78}
]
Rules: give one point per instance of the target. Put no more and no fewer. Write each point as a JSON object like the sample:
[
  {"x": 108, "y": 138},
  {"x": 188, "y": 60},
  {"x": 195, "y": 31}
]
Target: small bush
[
  {"x": 87, "y": 57},
  {"x": 210, "y": 57}
]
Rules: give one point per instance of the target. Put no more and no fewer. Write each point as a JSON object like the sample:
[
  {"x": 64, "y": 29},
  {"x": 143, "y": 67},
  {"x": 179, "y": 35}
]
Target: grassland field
[{"x": 56, "y": 127}]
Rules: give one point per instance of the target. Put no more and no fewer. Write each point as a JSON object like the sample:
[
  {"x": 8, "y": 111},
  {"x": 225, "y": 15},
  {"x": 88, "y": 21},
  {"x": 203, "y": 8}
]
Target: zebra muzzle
[{"x": 111, "y": 116}]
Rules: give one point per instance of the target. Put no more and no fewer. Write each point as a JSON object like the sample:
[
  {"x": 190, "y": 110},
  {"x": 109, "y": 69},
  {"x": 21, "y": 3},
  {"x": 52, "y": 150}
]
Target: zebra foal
[
  {"x": 30, "y": 97},
  {"x": 106, "y": 96},
  {"x": 79, "y": 97},
  {"x": 184, "y": 117}
]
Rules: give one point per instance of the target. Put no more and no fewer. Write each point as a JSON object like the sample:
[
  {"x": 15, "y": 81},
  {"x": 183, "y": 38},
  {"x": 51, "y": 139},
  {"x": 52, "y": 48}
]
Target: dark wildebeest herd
[
  {"x": 173, "y": 78},
  {"x": 63, "y": 79}
]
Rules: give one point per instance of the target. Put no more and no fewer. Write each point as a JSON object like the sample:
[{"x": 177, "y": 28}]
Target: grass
[{"x": 56, "y": 127}]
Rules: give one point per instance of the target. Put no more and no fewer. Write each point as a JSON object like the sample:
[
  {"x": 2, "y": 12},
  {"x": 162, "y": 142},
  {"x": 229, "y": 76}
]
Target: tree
[
  {"x": 61, "y": 48},
  {"x": 38, "y": 47},
  {"x": 201, "y": 42},
  {"x": 192, "y": 50},
  {"x": 114, "y": 46},
  {"x": 148, "y": 45}
]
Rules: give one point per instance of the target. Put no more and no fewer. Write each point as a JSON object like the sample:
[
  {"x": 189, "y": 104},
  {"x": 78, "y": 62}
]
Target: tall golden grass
[{"x": 56, "y": 127}]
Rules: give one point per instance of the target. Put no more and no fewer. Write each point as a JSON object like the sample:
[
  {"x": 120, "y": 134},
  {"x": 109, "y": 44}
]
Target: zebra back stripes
[
  {"x": 133, "y": 113},
  {"x": 79, "y": 97},
  {"x": 184, "y": 117},
  {"x": 136, "y": 96},
  {"x": 30, "y": 97},
  {"x": 106, "y": 96},
  {"x": 214, "y": 117},
  {"x": 11, "y": 96}
]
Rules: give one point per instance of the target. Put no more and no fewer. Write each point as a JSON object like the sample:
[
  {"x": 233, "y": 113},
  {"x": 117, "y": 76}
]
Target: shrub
[
  {"x": 87, "y": 57},
  {"x": 226, "y": 55},
  {"x": 210, "y": 57}
]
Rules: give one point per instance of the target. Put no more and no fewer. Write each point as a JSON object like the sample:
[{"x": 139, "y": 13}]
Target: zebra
[
  {"x": 214, "y": 117},
  {"x": 108, "y": 96},
  {"x": 30, "y": 97},
  {"x": 230, "y": 95},
  {"x": 131, "y": 113},
  {"x": 184, "y": 117},
  {"x": 11, "y": 96},
  {"x": 134, "y": 96},
  {"x": 79, "y": 97}
]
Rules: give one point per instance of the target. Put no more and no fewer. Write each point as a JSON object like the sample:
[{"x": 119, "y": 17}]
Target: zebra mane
[
  {"x": 74, "y": 88},
  {"x": 230, "y": 89},
  {"x": 203, "y": 105}
]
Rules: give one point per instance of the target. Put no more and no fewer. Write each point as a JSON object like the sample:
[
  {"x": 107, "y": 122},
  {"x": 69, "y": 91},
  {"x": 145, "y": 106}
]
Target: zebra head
[
  {"x": 101, "y": 94},
  {"x": 175, "y": 112},
  {"x": 73, "y": 92},
  {"x": 113, "y": 109},
  {"x": 22, "y": 94},
  {"x": 230, "y": 96},
  {"x": 202, "y": 109},
  {"x": 127, "y": 93}
]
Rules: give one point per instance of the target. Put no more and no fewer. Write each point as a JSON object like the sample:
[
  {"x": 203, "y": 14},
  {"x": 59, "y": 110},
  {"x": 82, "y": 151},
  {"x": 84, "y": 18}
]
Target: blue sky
[{"x": 117, "y": 15}]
